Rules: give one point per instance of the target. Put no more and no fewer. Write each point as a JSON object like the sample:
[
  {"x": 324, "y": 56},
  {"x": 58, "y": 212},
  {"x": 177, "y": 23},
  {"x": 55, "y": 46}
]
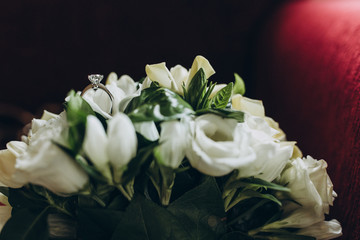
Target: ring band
[
  {"x": 95, "y": 80},
  {"x": 98, "y": 86}
]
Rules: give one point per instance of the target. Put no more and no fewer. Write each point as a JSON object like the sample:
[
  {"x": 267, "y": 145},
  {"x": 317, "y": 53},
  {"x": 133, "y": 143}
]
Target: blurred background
[{"x": 49, "y": 47}]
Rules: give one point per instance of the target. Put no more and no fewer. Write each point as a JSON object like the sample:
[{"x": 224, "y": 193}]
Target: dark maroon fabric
[{"x": 308, "y": 73}]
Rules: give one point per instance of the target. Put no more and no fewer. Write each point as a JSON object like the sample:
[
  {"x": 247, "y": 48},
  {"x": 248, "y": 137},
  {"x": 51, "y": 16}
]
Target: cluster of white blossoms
[{"x": 214, "y": 145}]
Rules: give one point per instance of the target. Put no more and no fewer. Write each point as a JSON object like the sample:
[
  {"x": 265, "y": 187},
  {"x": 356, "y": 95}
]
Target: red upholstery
[{"x": 308, "y": 73}]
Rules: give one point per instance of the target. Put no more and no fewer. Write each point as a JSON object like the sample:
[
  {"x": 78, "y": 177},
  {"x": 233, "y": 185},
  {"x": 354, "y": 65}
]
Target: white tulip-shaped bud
[
  {"x": 122, "y": 138},
  {"x": 173, "y": 143},
  {"x": 95, "y": 145}
]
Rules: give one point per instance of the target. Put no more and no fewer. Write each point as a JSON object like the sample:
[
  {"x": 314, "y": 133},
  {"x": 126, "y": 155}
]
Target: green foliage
[
  {"x": 142, "y": 160},
  {"x": 163, "y": 178},
  {"x": 77, "y": 110},
  {"x": 201, "y": 207},
  {"x": 157, "y": 104},
  {"x": 222, "y": 97},
  {"x": 239, "y": 87},
  {"x": 98, "y": 223},
  {"x": 225, "y": 113},
  {"x": 255, "y": 184},
  {"x": 31, "y": 206},
  {"x": 237, "y": 190},
  {"x": 26, "y": 224},
  {"x": 198, "y": 92},
  {"x": 144, "y": 219}
]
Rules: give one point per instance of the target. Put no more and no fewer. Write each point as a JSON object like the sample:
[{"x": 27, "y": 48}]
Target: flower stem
[
  {"x": 165, "y": 196},
  {"x": 260, "y": 203},
  {"x": 124, "y": 192}
]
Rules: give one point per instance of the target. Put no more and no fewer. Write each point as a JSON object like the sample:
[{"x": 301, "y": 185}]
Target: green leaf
[
  {"x": 77, "y": 110},
  {"x": 142, "y": 159},
  {"x": 25, "y": 198},
  {"x": 222, "y": 97},
  {"x": 225, "y": 113},
  {"x": 145, "y": 220},
  {"x": 5, "y": 191},
  {"x": 243, "y": 194},
  {"x": 236, "y": 235},
  {"x": 202, "y": 207},
  {"x": 255, "y": 194},
  {"x": 197, "y": 89},
  {"x": 138, "y": 101},
  {"x": 62, "y": 204},
  {"x": 26, "y": 224},
  {"x": 239, "y": 87},
  {"x": 90, "y": 169},
  {"x": 205, "y": 101},
  {"x": 249, "y": 212},
  {"x": 284, "y": 237},
  {"x": 256, "y": 183},
  {"x": 97, "y": 223},
  {"x": 163, "y": 178},
  {"x": 158, "y": 104}
]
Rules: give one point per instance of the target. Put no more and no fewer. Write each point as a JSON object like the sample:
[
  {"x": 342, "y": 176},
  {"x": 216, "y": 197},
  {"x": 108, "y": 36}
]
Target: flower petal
[
  {"x": 45, "y": 164},
  {"x": 112, "y": 77},
  {"x": 95, "y": 145},
  {"x": 122, "y": 140},
  {"x": 180, "y": 75},
  {"x": 323, "y": 230},
  {"x": 7, "y": 169},
  {"x": 252, "y": 106},
  {"x": 173, "y": 142},
  {"x": 127, "y": 84},
  {"x": 200, "y": 62},
  {"x": 148, "y": 130},
  {"x": 159, "y": 73}
]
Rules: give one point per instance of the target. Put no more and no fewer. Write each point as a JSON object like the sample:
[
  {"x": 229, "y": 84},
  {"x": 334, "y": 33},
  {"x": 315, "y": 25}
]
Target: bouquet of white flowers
[{"x": 172, "y": 156}]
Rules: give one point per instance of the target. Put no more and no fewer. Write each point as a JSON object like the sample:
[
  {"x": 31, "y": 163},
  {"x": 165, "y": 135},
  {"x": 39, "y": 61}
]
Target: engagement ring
[{"x": 95, "y": 80}]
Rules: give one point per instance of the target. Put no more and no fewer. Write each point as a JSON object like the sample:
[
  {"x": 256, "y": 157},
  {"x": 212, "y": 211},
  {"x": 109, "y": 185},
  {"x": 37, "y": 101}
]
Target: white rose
[
  {"x": 36, "y": 124},
  {"x": 321, "y": 180},
  {"x": 173, "y": 143},
  {"x": 5, "y": 210},
  {"x": 218, "y": 146},
  {"x": 7, "y": 163},
  {"x": 310, "y": 183},
  {"x": 271, "y": 155},
  {"x": 178, "y": 75},
  {"x": 116, "y": 147},
  {"x": 43, "y": 163},
  {"x": 256, "y": 108},
  {"x": 311, "y": 188}
]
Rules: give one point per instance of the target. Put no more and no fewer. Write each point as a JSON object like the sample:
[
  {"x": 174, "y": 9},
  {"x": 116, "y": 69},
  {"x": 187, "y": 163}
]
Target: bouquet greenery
[{"x": 172, "y": 156}]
